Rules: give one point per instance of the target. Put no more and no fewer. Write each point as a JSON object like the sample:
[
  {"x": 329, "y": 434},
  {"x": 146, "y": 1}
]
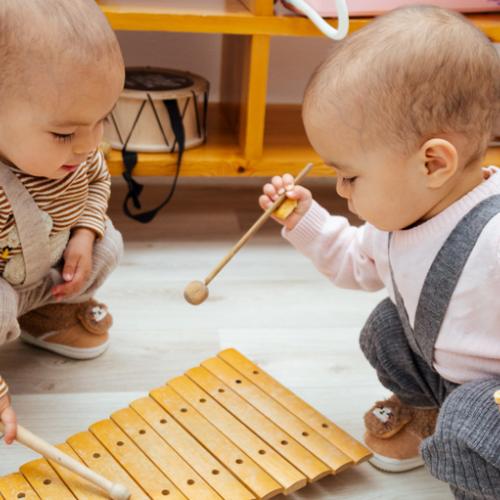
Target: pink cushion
[{"x": 372, "y": 7}]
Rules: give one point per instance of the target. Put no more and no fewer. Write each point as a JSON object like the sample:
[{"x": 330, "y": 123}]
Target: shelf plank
[
  {"x": 233, "y": 17},
  {"x": 204, "y": 161}
]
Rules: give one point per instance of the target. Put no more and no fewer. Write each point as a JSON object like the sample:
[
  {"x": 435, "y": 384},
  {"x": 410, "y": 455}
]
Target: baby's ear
[{"x": 440, "y": 159}]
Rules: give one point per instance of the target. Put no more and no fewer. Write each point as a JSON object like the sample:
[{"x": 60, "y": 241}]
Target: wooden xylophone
[{"x": 224, "y": 430}]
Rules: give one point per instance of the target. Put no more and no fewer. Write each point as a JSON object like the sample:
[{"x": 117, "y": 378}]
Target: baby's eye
[{"x": 64, "y": 138}]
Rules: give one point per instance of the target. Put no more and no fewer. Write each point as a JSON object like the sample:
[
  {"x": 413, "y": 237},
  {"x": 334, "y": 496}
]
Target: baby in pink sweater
[{"x": 403, "y": 110}]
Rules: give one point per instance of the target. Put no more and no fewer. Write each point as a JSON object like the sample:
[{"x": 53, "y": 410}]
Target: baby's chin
[
  {"x": 382, "y": 225},
  {"x": 353, "y": 211}
]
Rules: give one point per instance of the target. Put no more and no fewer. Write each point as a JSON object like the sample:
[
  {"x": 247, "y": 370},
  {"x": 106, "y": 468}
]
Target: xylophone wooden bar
[
  {"x": 80, "y": 487},
  {"x": 95, "y": 456},
  {"x": 44, "y": 480},
  {"x": 224, "y": 430},
  {"x": 163, "y": 455},
  {"x": 129, "y": 456},
  {"x": 15, "y": 486}
]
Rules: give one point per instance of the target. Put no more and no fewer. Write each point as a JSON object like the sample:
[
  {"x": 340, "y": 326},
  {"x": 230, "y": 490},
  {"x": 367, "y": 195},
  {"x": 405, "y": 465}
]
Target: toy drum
[
  {"x": 159, "y": 111},
  {"x": 141, "y": 120}
]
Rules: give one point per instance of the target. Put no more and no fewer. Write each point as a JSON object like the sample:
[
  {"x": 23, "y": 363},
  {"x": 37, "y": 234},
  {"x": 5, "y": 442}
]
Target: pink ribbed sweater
[{"x": 468, "y": 345}]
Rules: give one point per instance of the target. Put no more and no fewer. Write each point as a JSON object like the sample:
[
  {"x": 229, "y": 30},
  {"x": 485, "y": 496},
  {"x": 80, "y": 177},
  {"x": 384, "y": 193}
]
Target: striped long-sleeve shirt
[
  {"x": 3, "y": 388},
  {"x": 80, "y": 199}
]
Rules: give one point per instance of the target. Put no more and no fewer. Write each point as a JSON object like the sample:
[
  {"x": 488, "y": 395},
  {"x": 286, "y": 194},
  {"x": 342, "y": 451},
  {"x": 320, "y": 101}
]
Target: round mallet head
[
  {"x": 196, "y": 292},
  {"x": 119, "y": 492}
]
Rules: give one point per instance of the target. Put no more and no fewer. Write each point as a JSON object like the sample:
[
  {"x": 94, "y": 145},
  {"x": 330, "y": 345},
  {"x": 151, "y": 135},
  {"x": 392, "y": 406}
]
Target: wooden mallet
[
  {"x": 24, "y": 436},
  {"x": 197, "y": 291}
]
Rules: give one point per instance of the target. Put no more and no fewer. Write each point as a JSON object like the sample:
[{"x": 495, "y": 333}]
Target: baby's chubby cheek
[{"x": 49, "y": 168}]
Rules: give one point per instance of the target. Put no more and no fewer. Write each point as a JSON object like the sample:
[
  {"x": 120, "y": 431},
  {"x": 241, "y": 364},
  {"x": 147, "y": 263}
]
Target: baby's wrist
[
  {"x": 294, "y": 221},
  {"x": 84, "y": 233}
]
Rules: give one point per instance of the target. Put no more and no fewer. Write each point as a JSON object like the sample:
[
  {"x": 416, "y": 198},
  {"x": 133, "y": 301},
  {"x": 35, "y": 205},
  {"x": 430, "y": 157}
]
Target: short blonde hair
[
  {"x": 38, "y": 34},
  {"x": 413, "y": 73}
]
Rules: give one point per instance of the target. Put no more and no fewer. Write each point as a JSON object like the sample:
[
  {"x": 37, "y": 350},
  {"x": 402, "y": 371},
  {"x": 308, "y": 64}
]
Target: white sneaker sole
[
  {"x": 68, "y": 352},
  {"x": 388, "y": 464}
]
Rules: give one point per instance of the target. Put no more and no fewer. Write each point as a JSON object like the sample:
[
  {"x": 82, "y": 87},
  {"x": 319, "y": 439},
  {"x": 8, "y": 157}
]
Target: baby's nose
[{"x": 86, "y": 142}]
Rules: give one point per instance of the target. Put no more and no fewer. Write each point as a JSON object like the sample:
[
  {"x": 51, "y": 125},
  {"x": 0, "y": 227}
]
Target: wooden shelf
[
  {"x": 252, "y": 138},
  {"x": 230, "y": 17},
  {"x": 286, "y": 149}
]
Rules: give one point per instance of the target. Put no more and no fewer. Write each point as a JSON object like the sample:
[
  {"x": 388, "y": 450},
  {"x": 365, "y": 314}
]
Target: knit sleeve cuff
[
  {"x": 4, "y": 389},
  {"x": 308, "y": 227},
  {"x": 92, "y": 223}
]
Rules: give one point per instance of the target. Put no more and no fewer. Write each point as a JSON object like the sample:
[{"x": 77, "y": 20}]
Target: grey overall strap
[
  {"x": 444, "y": 273},
  {"x": 33, "y": 232}
]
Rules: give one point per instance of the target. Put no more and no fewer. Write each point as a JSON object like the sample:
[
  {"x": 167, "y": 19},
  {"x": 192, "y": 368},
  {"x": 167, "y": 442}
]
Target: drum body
[
  {"x": 141, "y": 122},
  {"x": 373, "y": 7}
]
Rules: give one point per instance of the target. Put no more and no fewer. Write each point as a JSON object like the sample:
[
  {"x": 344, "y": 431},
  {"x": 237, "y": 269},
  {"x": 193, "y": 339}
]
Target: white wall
[{"x": 292, "y": 59}]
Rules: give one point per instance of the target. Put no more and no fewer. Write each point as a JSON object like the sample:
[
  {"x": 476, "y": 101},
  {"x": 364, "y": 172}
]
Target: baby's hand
[
  {"x": 77, "y": 263},
  {"x": 280, "y": 185},
  {"x": 8, "y": 418}
]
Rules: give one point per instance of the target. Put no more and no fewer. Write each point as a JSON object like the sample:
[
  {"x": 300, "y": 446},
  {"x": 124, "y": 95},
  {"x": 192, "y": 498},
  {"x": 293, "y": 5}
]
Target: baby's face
[
  {"x": 58, "y": 123},
  {"x": 381, "y": 187}
]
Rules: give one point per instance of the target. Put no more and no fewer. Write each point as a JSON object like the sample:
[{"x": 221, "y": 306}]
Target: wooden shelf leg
[{"x": 245, "y": 69}]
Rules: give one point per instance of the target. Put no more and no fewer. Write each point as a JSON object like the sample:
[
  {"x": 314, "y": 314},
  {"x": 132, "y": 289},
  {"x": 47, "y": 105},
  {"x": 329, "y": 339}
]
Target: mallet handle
[
  {"x": 37, "y": 444},
  {"x": 257, "y": 225}
]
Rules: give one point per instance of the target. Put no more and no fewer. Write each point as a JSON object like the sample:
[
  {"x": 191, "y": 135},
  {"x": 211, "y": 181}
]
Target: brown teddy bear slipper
[
  {"x": 78, "y": 331},
  {"x": 394, "y": 432}
]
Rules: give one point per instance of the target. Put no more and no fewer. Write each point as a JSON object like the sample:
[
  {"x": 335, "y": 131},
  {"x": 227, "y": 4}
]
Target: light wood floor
[{"x": 268, "y": 302}]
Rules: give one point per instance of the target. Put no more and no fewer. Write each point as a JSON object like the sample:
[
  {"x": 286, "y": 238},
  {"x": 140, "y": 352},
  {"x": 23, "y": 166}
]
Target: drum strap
[{"x": 130, "y": 161}]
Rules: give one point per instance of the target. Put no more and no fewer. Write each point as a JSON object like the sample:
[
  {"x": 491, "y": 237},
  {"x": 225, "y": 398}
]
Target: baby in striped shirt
[{"x": 62, "y": 73}]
